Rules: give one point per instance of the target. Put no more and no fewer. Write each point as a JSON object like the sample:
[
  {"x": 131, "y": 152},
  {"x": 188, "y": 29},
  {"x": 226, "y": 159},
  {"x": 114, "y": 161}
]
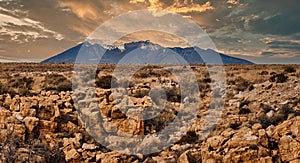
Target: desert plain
[{"x": 259, "y": 115}]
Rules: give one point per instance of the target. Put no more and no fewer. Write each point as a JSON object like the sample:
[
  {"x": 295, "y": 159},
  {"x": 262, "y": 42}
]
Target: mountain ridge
[{"x": 112, "y": 55}]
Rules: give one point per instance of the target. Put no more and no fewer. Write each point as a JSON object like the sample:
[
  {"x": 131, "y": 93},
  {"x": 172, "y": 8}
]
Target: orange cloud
[
  {"x": 234, "y": 2},
  {"x": 82, "y": 9},
  {"x": 190, "y": 7},
  {"x": 136, "y": 1},
  {"x": 179, "y": 7},
  {"x": 155, "y": 4}
]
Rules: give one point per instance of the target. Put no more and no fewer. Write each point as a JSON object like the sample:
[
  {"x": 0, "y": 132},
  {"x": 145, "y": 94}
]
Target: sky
[{"x": 263, "y": 31}]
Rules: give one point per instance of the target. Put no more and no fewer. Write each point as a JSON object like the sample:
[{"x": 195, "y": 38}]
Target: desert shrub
[
  {"x": 173, "y": 94},
  {"x": 24, "y": 92},
  {"x": 278, "y": 78},
  {"x": 266, "y": 108},
  {"x": 244, "y": 111},
  {"x": 251, "y": 87},
  {"x": 235, "y": 125},
  {"x": 253, "y": 147},
  {"x": 9, "y": 146},
  {"x": 64, "y": 86},
  {"x": 266, "y": 121},
  {"x": 207, "y": 80},
  {"x": 21, "y": 82},
  {"x": 105, "y": 81},
  {"x": 143, "y": 75},
  {"x": 57, "y": 82},
  {"x": 278, "y": 118},
  {"x": 285, "y": 110},
  {"x": 190, "y": 137},
  {"x": 241, "y": 83},
  {"x": 162, "y": 120},
  {"x": 289, "y": 69},
  {"x": 264, "y": 73},
  {"x": 5, "y": 89},
  {"x": 244, "y": 103}
]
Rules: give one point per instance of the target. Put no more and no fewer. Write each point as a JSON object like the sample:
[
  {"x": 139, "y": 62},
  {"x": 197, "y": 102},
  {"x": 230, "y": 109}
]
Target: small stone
[
  {"x": 270, "y": 114},
  {"x": 48, "y": 125},
  {"x": 89, "y": 146},
  {"x": 31, "y": 123},
  {"x": 183, "y": 158},
  {"x": 256, "y": 127},
  {"x": 71, "y": 153},
  {"x": 285, "y": 102},
  {"x": 267, "y": 159}
]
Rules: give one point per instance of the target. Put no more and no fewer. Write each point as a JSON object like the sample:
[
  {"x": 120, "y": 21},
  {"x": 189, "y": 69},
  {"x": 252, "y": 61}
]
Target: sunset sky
[{"x": 263, "y": 31}]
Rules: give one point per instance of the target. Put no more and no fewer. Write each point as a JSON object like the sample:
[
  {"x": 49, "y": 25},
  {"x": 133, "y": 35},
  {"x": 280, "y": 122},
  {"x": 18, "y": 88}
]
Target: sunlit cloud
[
  {"x": 192, "y": 7},
  {"x": 136, "y": 1},
  {"x": 233, "y": 2},
  {"x": 177, "y": 6},
  {"x": 82, "y": 9}
]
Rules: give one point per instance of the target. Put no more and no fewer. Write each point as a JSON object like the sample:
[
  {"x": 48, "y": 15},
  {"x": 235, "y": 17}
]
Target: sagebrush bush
[
  {"x": 57, "y": 82},
  {"x": 6, "y": 90},
  {"x": 173, "y": 94},
  {"x": 279, "y": 78},
  {"x": 282, "y": 115},
  {"x": 264, "y": 73},
  {"x": 105, "y": 81},
  {"x": 64, "y": 86},
  {"x": 240, "y": 83},
  {"x": 21, "y": 82},
  {"x": 289, "y": 69},
  {"x": 190, "y": 137}
]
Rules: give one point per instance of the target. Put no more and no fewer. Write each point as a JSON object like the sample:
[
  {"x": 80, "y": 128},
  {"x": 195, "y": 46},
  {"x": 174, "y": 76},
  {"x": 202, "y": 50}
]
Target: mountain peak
[{"x": 192, "y": 55}]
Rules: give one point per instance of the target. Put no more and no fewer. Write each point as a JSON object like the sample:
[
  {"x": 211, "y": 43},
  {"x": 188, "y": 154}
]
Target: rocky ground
[{"x": 39, "y": 122}]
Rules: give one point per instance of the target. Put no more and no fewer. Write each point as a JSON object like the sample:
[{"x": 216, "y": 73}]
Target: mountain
[{"x": 141, "y": 52}]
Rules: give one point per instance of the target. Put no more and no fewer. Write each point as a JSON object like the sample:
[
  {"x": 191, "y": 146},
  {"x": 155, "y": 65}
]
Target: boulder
[{"x": 31, "y": 123}]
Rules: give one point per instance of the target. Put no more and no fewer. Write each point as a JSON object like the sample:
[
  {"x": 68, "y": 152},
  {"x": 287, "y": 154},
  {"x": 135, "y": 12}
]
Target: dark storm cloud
[
  {"x": 266, "y": 53},
  {"x": 284, "y": 45},
  {"x": 273, "y": 17},
  {"x": 243, "y": 27}
]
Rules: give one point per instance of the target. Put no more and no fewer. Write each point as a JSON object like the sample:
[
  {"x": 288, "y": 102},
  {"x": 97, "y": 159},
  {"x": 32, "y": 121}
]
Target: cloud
[
  {"x": 263, "y": 17},
  {"x": 281, "y": 46},
  {"x": 176, "y": 6},
  {"x": 234, "y": 2},
  {"x": 190, "y": 7},
  {"x": 268, "y": 53},
  {"x": 163, "y": 39},
  {"x": 23, "y": 29},
  {"x": 83, "y": 9},
  {"x": 136, "y": 1}
]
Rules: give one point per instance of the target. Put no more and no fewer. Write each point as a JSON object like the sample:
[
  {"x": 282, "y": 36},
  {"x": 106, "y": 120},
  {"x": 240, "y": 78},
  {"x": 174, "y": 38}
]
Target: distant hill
[{"x": 153, "y": 52}]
